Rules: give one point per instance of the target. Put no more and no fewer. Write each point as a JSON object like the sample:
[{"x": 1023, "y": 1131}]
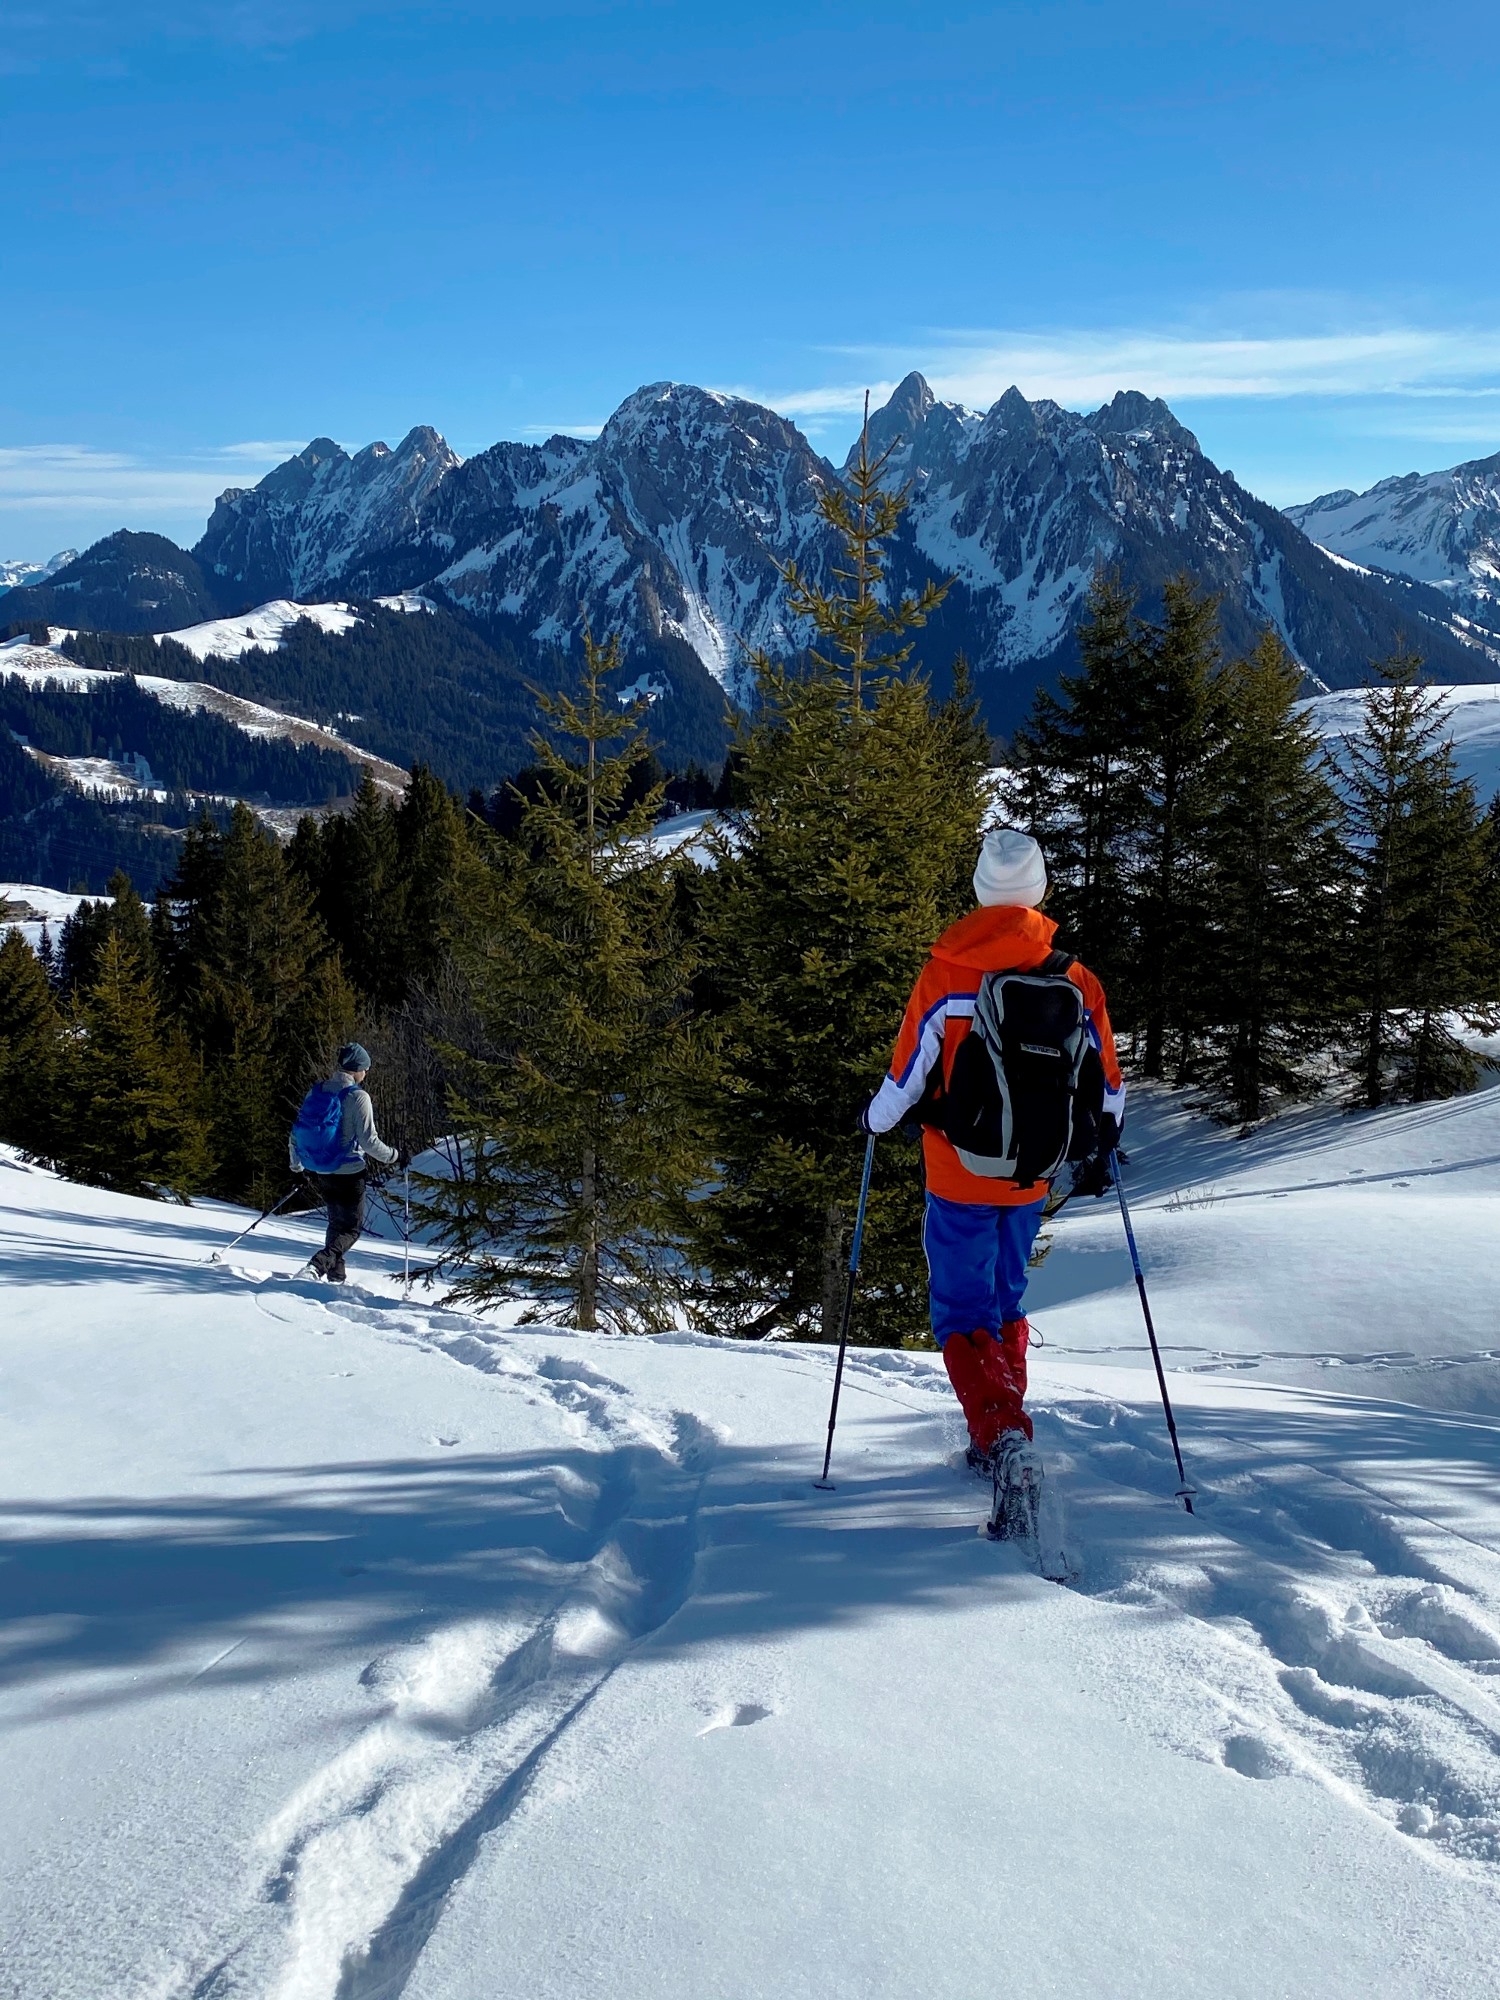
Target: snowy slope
[
  {"x": 268, "y": 624},
  {"x": 356, "y": 1647},
  {"x": 51, "y": 907},
  {"x": 50, "y": 665},
  {"x": 1472, "y": 725},
  {"x": 1440, "y": 528}
]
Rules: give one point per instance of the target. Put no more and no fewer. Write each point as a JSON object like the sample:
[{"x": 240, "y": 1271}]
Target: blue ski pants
[{"x": 976, "y": 1263}]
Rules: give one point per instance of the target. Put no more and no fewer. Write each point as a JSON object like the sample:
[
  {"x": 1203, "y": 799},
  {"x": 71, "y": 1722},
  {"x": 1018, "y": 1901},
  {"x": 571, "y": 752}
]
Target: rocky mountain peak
[
  {"x": 1129, "y": 413},
  {"x": 899, "y": 419},
  {"x": 672, "y": 528},
  {"x": 1435, "y": 528}
]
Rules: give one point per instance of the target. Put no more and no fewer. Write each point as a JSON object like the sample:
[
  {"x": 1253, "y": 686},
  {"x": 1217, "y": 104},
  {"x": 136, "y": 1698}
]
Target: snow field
[
  {"x": 45, "y": 665},
  {"x": 356, "y": 1646}
]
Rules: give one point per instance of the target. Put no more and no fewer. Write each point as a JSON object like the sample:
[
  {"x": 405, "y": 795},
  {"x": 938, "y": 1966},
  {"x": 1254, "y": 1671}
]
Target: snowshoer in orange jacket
[{"x": 979, "y": 1231}]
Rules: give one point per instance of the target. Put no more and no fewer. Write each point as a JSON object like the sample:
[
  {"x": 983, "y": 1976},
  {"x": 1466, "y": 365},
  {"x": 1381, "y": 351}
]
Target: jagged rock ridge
[{"x": 671, "y": 528}]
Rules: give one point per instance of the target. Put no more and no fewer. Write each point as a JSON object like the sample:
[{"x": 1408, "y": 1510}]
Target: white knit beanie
[{"x": 1011, "y": 869}]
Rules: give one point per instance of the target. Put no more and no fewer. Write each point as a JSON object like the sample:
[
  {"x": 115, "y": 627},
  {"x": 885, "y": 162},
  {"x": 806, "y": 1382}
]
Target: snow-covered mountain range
[
  {"x": 14, "y": 572},
  {"x": 1437, "y": 528},
  {"x": 672, "y": 527}
]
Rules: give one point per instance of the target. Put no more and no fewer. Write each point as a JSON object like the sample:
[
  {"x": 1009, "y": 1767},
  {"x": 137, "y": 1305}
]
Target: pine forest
[{"x": 643, "y": 1065}]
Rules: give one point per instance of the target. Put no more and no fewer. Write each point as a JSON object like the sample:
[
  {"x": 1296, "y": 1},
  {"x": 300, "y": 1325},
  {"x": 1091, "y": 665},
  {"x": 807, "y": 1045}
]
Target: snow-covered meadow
[{"x": 353, "y": 1646}]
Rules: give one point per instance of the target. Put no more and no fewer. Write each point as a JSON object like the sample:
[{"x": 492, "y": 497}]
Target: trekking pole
[
  {"x": 406, "y": 1233},
  {"x": 221, "y": 1253},
  {"x": 1184, "y": 1491},
  {"x": 825, "y": 1484}
]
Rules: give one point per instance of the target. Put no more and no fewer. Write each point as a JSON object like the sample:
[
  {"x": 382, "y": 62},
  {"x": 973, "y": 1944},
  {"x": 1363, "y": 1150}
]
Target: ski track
[
  {"x": 353, "y": 1871},
  {"x": 1320, "y": 1629}
]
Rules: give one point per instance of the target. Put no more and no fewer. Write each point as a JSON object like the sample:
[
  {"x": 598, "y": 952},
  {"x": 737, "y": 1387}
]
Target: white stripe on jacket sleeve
[{"x": 898, "y": 1095}]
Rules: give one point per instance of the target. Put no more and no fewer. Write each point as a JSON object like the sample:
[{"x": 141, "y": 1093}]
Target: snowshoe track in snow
[
  {"x": 355, "y": 1867},
  {"x": 1326, "y": 1630}
]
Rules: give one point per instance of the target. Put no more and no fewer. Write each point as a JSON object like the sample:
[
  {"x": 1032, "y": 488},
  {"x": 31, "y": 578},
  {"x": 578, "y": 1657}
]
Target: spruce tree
[
  {"x": 1116, "y": 783},
  {"x": 264, "y": 999},
  {"x": 135, "y": 1112},
  {"x": 181, "y": 912},
  {"x": 31, "y": 1053},
  {"x": 578, "y": 1143},
  {"x": 1270, "y": 956},
  {"x": 127, "y": 916},
  {"x": 1177, "y": 732},
  {"x": 362, "y": 895},
  {"x": 1419, "y": 865},
  {"x": 1074, "y": 759},
  {"x": 435, "y": 863},
  {"x": 850, "y": 848},
  {"x": 80, "y": 945}
]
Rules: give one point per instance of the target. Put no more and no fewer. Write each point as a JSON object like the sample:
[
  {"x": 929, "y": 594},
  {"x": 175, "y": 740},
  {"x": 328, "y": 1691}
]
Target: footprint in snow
[
  {"x": 737, "y": 1715},
  {"x": 1254, "y": 1757}
]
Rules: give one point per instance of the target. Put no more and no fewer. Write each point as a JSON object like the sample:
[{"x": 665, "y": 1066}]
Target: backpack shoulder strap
[{"x": 1056, "y": 963}]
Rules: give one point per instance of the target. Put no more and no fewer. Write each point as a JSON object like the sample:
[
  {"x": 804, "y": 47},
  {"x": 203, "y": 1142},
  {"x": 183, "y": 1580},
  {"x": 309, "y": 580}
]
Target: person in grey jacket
[{"x": 343, "y": 1189}]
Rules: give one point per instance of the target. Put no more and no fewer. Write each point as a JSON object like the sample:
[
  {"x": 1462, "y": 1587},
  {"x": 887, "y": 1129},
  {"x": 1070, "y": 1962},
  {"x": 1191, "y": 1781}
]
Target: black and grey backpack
[{"x": 1027, "y": 1087}]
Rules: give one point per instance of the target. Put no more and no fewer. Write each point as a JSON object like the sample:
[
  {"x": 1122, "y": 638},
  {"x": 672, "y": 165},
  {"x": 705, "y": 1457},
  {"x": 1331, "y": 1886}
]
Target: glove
[
  {"x": 863, "y": 1120},
  {"x": 1093, "y": 1176},
  {"x": 403, "y": 1158},
  {"x": 1111, "y": 1131}
]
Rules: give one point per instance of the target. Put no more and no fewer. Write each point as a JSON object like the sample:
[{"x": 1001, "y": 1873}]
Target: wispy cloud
[
  {"x": 1086, "y": 368},
  {"x": 62, "y": 478},
  {"x": 256, "y": 451}
]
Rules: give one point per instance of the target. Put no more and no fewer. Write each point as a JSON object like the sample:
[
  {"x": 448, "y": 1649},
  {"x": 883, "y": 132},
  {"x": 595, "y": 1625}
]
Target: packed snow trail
[{"x": 356, "y": 1648}]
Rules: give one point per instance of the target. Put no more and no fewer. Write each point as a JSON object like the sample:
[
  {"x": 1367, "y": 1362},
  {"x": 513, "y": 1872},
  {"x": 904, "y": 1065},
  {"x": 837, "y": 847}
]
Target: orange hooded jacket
[{"x": 998, "y": 938}]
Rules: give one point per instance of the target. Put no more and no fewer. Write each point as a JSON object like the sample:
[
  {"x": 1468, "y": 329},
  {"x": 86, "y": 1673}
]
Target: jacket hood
[{"x": 1000, "y": 938}]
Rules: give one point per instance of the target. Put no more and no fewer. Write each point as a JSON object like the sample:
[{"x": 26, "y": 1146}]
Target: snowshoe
[{"x": 1016, "y": 1469}]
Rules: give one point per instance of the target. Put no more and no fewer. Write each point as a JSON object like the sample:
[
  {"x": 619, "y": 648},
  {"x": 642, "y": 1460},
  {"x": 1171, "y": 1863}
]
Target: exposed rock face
[
  {"x": 668, "y": 528},
  {"x": 324, "y": 521},
  {"x": 672, "y": 527}
]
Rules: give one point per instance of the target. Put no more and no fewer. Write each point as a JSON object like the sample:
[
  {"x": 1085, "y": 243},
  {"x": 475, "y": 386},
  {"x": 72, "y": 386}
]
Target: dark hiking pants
[{"x": 344, "y": 1196}]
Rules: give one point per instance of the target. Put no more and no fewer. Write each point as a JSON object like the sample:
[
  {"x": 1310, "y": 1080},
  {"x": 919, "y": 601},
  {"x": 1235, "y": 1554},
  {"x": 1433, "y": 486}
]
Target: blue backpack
[{"x": 316, "y": 1132}]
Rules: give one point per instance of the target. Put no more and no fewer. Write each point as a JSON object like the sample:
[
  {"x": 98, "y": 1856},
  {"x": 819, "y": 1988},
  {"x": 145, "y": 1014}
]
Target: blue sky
[{"x": 231, "y": 226}]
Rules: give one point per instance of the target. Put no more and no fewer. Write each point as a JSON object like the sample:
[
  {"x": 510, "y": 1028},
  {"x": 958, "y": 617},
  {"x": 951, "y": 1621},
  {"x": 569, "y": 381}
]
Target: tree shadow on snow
[{"x": 130, "y": 1598}]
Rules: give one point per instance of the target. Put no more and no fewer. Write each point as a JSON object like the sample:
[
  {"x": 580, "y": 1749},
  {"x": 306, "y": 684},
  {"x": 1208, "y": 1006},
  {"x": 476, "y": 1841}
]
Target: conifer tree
[
  {"x": 80, "y": 943},
  {"x": 127, "y": 915},
  {"x": 1177, "y": 732},
  {"x": 181, "y": 912},
  {"x": 1269, "y": 958},
  {"x": 362, "y": 893},
  {"x": 1487, "y": 964},
  {"x": 850, "y": 849},
  {"x": 1074, "y": 758},
  {"x": 1419, "y": 865},
  {"x": 135, "y": 1113},
  {"x": 30, "y": 1050},
  {"x": 578, "y": 1142},
  {"x": 264, "y": 998},
  {"x": 1116, "y": 785},
  {"x": 435, "y": 863}
]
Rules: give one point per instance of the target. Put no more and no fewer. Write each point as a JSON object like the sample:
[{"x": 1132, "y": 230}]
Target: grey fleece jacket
[{"x": 357, "y": 1127}]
